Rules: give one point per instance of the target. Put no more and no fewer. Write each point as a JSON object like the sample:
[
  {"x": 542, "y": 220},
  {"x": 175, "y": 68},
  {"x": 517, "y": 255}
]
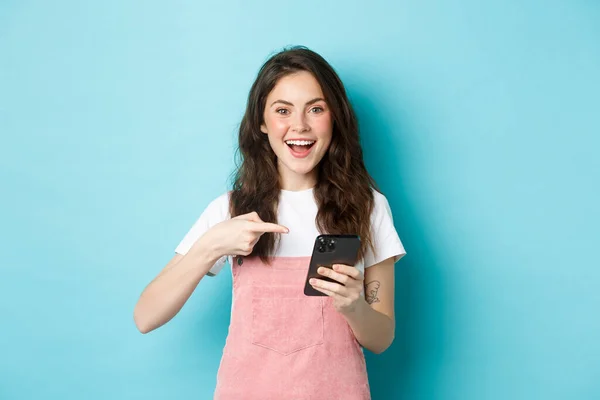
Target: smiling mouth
[{"x": 300, "y": 146}]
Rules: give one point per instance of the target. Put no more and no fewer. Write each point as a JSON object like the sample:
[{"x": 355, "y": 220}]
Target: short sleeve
[
  {"x": 386, "y": 241},
  {"x": 217, "y": 211}
]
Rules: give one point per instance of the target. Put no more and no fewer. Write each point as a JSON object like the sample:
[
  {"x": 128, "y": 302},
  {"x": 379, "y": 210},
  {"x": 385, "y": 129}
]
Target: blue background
[{"x": 480, "y": 121}]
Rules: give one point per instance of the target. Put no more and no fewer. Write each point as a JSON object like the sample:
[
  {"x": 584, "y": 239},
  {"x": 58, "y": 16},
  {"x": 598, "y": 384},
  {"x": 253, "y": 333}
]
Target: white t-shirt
[{"x": 297, "y": 212}]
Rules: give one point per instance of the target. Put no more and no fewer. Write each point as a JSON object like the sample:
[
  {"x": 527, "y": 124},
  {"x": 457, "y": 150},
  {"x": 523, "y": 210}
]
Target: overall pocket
[{"x": 285, "y": 320}]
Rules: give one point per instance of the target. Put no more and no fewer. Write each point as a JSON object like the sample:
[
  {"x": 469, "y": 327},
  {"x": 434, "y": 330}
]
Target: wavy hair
[{"x": 343, "y": 192}]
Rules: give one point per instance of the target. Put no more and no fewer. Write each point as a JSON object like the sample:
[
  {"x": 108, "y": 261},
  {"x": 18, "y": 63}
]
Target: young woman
[{"x": 301, "y": 174}]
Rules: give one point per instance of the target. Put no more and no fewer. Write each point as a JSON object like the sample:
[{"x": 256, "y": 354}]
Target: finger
[
  {"x": 268, "y": 227},
  {"x": 327, "y": 292},
  {"x": 252, "y": 216},
  {"x": 328, "y": 272},
  {"x": 330, "y": 286},
  {"x": 351, "y": 271}
]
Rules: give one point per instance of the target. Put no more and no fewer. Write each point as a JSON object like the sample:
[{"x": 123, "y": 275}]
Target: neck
[
  {"x": 297, "y": 186},
  {"x": 297, "y": 182}
]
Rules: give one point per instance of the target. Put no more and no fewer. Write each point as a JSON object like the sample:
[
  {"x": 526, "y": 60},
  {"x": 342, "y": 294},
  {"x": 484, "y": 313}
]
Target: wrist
[
  {"x": 358, "y": 311},
  {"x": 206, "y": 251}
]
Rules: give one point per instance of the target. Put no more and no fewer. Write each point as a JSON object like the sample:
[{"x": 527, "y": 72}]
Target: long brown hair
[{"x": 343, "y": 191}]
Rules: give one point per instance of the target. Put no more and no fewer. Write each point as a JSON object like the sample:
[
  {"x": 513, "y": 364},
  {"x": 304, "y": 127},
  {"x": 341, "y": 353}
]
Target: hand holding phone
[{"x": 329, "y": 250}]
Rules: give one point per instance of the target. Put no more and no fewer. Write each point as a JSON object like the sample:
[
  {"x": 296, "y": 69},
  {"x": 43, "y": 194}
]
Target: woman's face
[{"x": 299, "y": 125}]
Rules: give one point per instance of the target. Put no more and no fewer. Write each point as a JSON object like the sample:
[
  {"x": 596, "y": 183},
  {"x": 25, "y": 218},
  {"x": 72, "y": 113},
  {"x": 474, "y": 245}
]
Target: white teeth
[{"x": 300, "y": 142}]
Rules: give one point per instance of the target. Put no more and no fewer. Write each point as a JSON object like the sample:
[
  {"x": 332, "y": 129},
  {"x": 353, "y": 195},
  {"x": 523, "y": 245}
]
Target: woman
[{"x": 301, "y": 174}]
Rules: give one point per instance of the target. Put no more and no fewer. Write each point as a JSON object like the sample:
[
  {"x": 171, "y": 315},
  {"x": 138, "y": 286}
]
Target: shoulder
[
  {"x": 222, "y": 201},
  {"x": 385, "y": 238},
  {"x": 381, "y": 205},
  {"x": 218, "y": 208},
  {"x": 379, "y": 197},
  {"x": 215, "y": 212}
]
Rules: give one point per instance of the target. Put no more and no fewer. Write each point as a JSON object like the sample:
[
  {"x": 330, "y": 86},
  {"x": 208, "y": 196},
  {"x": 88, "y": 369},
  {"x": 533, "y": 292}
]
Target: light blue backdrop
[{"x": 481, "y": 123}]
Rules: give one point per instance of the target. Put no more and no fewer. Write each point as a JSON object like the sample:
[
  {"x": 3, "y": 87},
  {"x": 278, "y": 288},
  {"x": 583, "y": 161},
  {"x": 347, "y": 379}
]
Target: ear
[{"x": 263, "y": 128}]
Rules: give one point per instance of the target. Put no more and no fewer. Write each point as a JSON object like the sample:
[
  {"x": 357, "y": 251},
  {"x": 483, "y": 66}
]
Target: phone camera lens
[
  {"x": 331, "y": 244},
  {"x": 321, "y": 249}
]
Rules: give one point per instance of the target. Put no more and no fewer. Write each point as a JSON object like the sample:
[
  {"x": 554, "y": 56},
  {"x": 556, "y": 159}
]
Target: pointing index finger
[{"x": 268, "y": 227}]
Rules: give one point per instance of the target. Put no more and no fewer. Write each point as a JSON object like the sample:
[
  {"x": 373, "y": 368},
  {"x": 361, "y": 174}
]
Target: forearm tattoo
[{"x": 371, "y": 292}]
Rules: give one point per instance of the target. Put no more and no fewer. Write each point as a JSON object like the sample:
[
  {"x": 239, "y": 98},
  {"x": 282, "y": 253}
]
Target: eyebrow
[{"x": 291, "y": 104}]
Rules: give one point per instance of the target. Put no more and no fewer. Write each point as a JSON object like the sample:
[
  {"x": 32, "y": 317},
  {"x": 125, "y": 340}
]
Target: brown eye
[{"x": 279, "y": 111}]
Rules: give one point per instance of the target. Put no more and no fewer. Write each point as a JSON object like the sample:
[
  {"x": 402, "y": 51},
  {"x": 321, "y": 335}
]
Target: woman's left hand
[{"x": 346, "y": 294}]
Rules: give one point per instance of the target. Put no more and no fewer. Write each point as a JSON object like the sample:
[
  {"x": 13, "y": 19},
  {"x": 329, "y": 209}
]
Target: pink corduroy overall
[{"x": 285, "y": 345}]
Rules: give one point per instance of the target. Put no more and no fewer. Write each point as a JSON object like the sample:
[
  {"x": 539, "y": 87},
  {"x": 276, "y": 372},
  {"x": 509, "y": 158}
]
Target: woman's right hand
[
  {"x": 239, "y": 235},
  {"x": 162, "y": 299}
]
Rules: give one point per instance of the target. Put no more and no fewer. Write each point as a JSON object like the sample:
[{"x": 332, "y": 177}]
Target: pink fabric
[{"x": 285, "y": 345}]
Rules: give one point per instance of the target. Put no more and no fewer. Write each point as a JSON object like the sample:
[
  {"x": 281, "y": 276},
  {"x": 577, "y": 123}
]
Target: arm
[
  {"x": 373, "y": 321},
  {"x": 164, "y": 297},
  {"x": 371, "y": 317}
]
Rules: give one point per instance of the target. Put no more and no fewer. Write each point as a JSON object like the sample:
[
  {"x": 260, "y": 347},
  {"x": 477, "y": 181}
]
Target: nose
[{"x": 299, "y": 123}]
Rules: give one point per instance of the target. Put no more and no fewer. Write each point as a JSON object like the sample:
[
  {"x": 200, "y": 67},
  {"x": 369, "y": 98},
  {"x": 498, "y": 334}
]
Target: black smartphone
[{"x": 329, "y": 250}]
